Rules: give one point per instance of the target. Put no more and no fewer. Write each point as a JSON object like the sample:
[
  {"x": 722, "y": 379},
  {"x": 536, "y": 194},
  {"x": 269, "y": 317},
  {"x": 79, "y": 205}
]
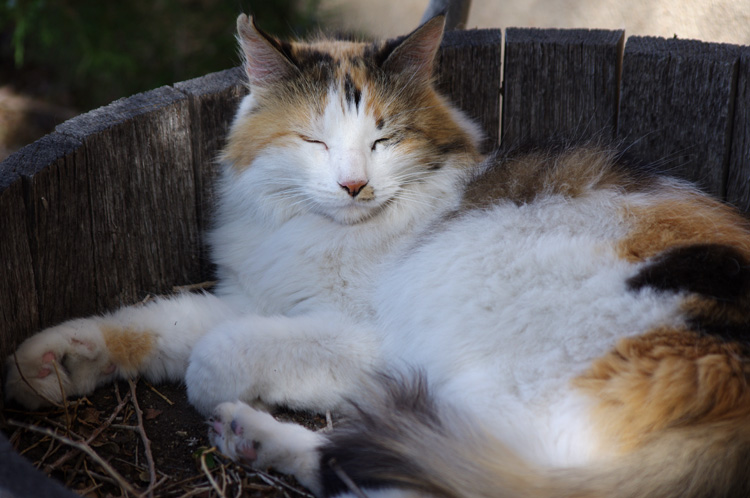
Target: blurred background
[{"x": 62, "y": 57}]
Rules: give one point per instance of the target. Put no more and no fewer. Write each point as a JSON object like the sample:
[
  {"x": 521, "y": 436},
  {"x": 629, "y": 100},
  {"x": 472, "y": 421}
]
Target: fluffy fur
[{"x": 554, "y": 323}]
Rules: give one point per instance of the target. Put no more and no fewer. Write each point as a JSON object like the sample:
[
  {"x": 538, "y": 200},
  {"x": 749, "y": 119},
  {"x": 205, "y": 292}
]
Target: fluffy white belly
[{"x": 501, "y": 317}]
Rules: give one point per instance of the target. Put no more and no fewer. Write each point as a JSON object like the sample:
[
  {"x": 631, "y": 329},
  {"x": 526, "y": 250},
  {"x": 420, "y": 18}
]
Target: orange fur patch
[
  {"x": 668, "y": 378},
  {"x": 127, "y": 347},
  {"x": 687, "y": 219}
]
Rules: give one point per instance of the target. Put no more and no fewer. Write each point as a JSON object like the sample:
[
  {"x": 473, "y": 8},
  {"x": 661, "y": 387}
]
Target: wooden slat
[
  {"x": 47, "y": 264},
  {"x": 738, "y": 177},
  {"x": 560, "y": 84},
  {"x": 214, "y": 99},
  {"x": 676, "y": 106},
  {"x": 142, "y": 193},
  {"x": 19, "y": 312},
  {"x": 469, "y": 75}
]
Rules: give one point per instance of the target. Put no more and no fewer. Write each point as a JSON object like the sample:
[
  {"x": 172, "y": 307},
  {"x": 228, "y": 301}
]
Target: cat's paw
[
  {"x": 255, "y": 437},
  {"x": 67, "y": 360},
  {"x": 243, "y": 433}
]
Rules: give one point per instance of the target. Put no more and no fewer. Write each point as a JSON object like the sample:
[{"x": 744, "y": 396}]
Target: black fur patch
[
  {"x": 365, "y": 446},
  {"x": 307, "y": 57},
  {"x": 719, "y": 274},
  {"x": 378, "y": 54},
  {"x": 712, "y": 270},
  {"x": 353, "y": 94}
]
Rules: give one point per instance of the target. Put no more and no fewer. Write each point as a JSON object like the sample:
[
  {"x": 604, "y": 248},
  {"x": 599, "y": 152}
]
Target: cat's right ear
[{"x": 264, "y": 61}]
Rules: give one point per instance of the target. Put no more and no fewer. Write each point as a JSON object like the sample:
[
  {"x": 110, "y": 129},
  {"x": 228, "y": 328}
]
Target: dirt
[{"x": 183, "y": 462}]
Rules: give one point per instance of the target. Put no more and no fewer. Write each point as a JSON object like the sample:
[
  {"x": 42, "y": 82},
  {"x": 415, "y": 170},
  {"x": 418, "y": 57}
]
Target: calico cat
[{"x": 553, "y": 323}]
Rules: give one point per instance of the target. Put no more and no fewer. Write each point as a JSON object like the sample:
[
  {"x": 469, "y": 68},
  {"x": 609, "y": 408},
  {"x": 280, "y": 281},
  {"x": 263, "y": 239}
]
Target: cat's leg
[
  {"x": 308, "y": 362},
  {"x": 153, "y": 340}
]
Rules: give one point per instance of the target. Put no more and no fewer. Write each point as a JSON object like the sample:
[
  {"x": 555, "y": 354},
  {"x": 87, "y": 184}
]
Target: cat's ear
[
  {"x": 264, "y": 63},
  {"x": 416, "y": 53}
]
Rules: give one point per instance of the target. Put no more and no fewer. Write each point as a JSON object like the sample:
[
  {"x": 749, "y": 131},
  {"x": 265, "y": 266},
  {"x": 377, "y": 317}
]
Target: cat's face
[{"x": 346, "y": 129}]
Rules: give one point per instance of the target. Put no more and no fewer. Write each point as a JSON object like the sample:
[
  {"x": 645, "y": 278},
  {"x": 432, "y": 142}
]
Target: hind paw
[{"x": 70, "y": 358}]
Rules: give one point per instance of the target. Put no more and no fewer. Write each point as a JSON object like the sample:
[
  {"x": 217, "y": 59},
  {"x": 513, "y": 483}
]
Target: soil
[{"x": 183, "y": 463}]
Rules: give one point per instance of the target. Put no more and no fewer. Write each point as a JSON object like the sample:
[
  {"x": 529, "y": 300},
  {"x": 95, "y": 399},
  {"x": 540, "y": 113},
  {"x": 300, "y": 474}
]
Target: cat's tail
[{"x": 402, "y": 439}]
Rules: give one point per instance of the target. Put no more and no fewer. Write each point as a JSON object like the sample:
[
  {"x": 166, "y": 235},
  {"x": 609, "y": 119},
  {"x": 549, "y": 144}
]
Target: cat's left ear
[
  {"x": 265, "y": 63},
  {"x": 416, "y": 53}
]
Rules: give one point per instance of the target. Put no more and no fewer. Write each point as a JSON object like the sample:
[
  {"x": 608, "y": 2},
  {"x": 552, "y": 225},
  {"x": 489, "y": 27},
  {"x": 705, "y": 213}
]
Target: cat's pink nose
[{"x": 354, "y": 187}]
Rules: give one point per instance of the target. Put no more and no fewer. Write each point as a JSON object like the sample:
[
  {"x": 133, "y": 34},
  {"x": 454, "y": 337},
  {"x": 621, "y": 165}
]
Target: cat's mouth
[{"x": 354, "y": 211}]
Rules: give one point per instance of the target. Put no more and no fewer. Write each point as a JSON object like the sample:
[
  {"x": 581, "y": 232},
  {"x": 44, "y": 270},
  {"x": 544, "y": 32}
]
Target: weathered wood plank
[
  {"x": 213, "y": 98},
  {"x": 676, "y": 106},
  {"x": 738, "y": 177},
  {"x": 47, "y": 267},
  {"x": 469, "y": 75},
  {"x": 560, "y": 84},
  {"x": 141, "y": 182},
  {"x": 19, "y": 312}
]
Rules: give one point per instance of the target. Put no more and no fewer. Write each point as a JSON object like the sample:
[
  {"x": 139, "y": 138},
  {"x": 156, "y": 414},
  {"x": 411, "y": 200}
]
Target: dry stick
[
  {"x": 211, "y": 480},
  {"x": 171, "y": 403},
  {"x": 346, "y": 479},
  {"x": 277, "y": 483},
  {"x": 68, "y": 421},
  {"x": 146, "y": 442},
  {"x": 190, "y": 287},
  {"x": 95, "y": 434},
  {"x": 124, "y": 484}
]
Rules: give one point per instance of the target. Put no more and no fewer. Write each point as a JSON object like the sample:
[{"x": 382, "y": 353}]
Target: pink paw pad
[
  {"x": 47, "y": 358},
  {"x": 248, "y": 451}
]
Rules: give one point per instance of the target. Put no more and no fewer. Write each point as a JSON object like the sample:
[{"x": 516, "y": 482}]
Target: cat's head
[{"x": 346, "y": 129}]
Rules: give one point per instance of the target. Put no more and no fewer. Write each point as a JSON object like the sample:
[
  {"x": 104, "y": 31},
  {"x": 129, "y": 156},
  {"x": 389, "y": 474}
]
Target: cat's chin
[{"x": 355, "y": 213}]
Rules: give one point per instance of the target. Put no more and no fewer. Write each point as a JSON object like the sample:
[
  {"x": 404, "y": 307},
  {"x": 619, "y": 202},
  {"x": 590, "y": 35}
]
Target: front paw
[
  {"x": 67, "y": 360},
  {"x": 243, "y": 433}
]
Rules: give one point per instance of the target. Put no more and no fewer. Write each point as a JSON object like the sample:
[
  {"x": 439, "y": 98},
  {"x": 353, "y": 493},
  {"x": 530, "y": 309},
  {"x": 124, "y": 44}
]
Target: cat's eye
[
  {"x": 379, "y": 141},
  {"x": 313, "y": 141}
]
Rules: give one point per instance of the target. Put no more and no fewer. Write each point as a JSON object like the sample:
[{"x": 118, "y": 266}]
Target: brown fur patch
[
  {"x": 571, "y": 173},
  {"x": 127, "y": 347},
  {"x": 687, "y": 218},
  {"x": 668, "y": 379}
]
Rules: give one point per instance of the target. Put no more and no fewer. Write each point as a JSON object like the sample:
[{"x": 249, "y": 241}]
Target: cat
[{"x": 554, "y": 322}]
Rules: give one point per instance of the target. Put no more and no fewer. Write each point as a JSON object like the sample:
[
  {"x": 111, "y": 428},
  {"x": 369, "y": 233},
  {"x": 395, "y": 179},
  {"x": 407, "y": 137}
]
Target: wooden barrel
[{"x": 113, "y": 204}]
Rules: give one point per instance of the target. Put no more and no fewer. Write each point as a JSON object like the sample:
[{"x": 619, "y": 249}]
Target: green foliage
[{"x": 98, "y": 50}]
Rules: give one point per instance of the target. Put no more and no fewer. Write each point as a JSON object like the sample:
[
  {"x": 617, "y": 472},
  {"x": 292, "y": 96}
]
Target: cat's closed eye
[
  {"x": 313, "y": 141},
  {"x": 380, "y": 141}
]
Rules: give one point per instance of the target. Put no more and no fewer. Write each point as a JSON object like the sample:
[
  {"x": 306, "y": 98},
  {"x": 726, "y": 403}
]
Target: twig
[
  {"x": 171, "y": 403},
  {"x": 68, "y": 421},
  {"x": 124, "y": 484},
  {"x": 146, "y": 442},
  {"x": 108, "y": 423},
  {"x": 206, "y": 471},
  {"x": 278, "y": 483},
  {"x": 346, "y": 479},
  {"x": 190, "y": 287},
  {"x": 329, "y": 421}
]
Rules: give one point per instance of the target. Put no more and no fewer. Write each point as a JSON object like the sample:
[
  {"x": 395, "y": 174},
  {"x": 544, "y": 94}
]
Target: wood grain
[
  {"x": 138, "y": 161},
  {"x": 560, "y": 84},
  {"x": 677, "y": 104},
  {"x": 469, "y": 75},
  {"x": 213, "y": 101},
  {"x": 738, "y": 175}
]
